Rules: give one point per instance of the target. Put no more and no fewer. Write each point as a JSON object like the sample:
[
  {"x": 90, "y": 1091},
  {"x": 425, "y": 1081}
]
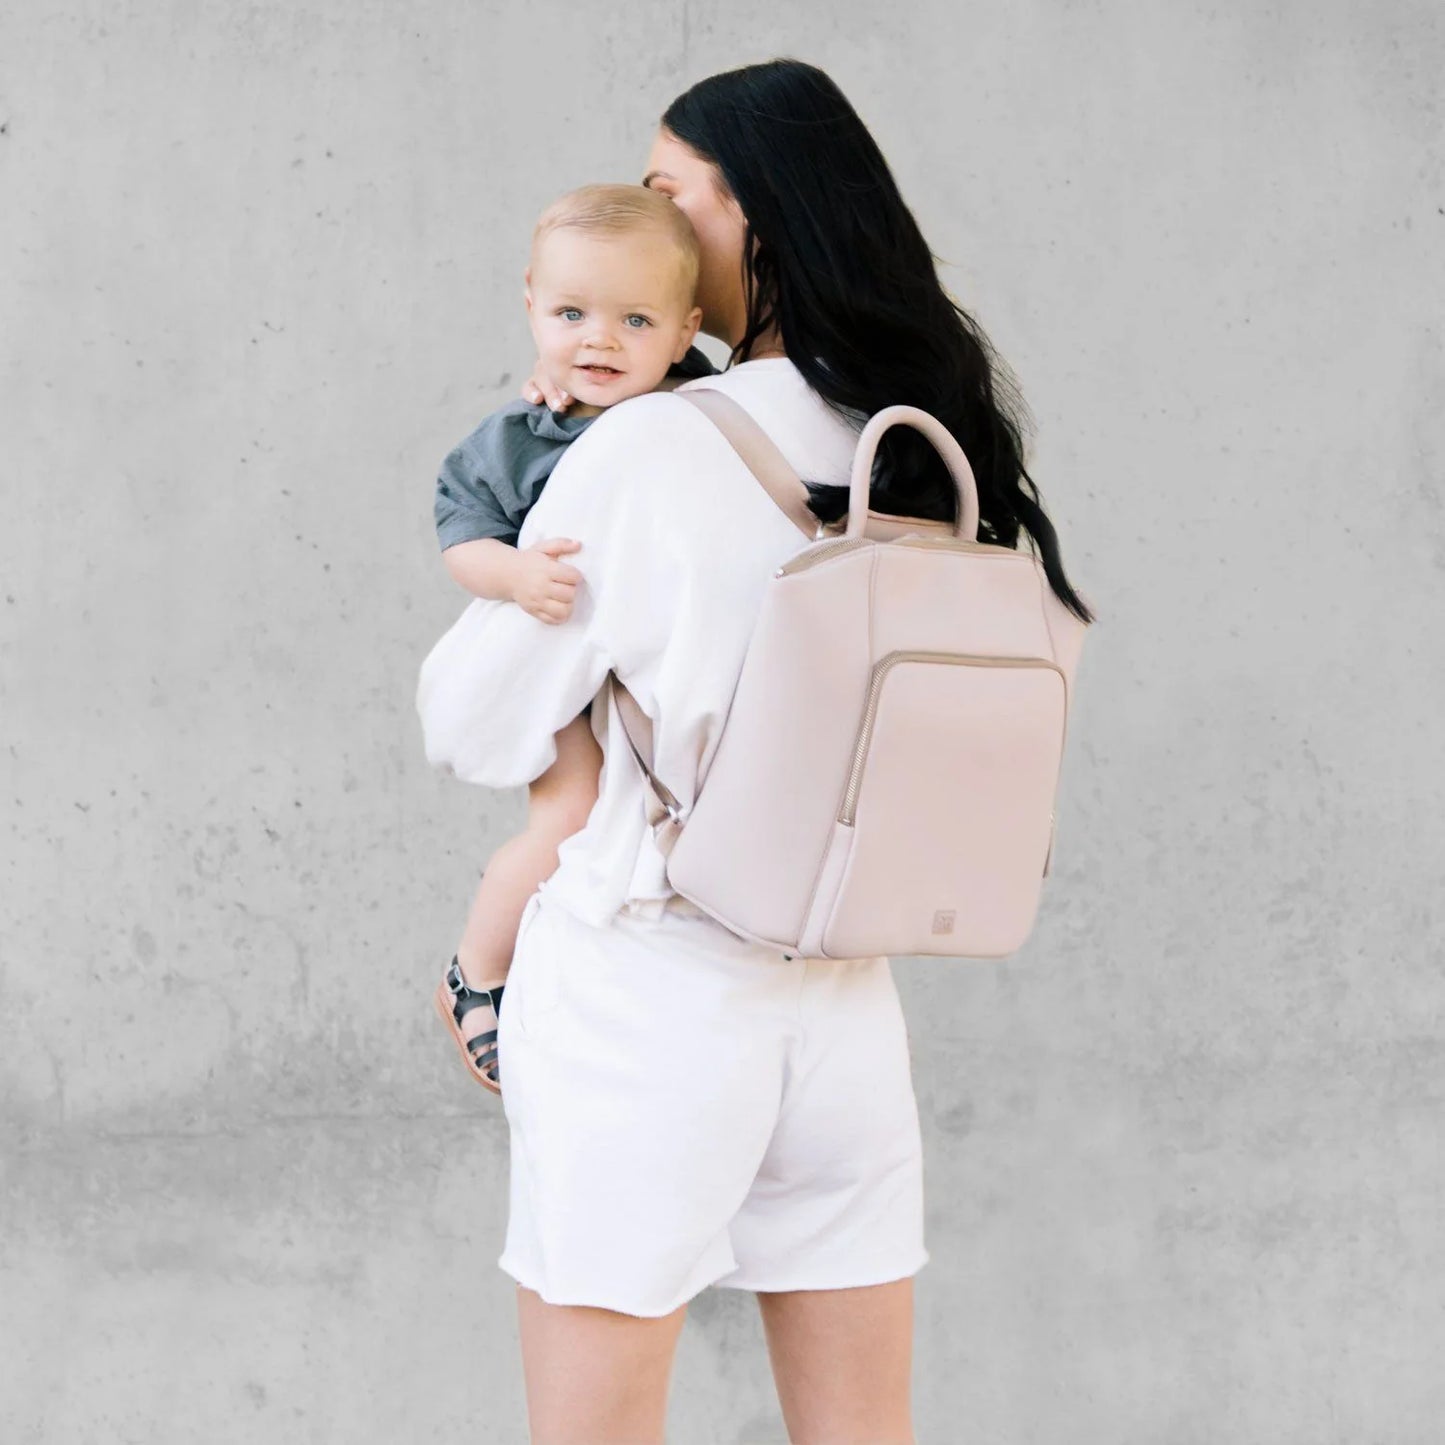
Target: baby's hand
[
  {"x": 540, "y": 387},
  {"x": 546, "y": 588}
]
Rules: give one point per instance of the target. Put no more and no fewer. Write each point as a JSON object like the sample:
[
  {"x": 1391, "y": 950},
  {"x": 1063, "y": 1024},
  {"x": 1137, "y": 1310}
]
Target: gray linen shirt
[{"x": 489, "y": 482}]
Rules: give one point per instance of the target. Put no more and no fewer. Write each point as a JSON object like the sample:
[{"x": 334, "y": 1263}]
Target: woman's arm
[
  {"x": 498, "y": 687},
  {"x": 500, "y": 684}
]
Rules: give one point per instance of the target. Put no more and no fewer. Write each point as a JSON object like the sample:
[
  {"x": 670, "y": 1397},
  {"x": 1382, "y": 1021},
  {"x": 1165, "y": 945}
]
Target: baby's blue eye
[
  {"x": 568, "y": 312},
  {"x": 643, "y": 319}
]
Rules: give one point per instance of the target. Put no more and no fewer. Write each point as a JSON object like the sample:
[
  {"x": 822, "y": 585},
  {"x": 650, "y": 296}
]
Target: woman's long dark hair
[{"x": 838, "y": 264}]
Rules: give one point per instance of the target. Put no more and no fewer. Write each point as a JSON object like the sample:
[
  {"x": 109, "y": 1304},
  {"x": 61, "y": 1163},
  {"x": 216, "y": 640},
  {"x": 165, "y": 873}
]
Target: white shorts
[{"x": 688, "y": 1108}]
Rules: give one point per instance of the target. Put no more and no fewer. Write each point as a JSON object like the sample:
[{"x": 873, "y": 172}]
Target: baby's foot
[
  {"x": 470, "y": 1010},
  {"x": 480, "y": 1021}
]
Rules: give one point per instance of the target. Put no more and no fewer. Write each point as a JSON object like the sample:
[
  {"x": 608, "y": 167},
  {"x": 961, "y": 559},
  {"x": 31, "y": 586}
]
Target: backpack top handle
[{"x": 944, "y": 443}]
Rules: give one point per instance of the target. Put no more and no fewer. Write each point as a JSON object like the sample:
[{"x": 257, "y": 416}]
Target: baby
[{"x": 610, "y": 299}]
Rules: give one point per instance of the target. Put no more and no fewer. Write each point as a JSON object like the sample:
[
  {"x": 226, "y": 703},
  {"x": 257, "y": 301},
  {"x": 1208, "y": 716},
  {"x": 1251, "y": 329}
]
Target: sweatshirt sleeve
[{"x": 499, "y": 684}]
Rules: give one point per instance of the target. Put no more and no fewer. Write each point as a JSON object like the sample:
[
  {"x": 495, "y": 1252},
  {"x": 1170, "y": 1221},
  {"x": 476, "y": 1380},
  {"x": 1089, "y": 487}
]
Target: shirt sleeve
[
  {"x": 499, "y": 685},
  {"x": 466, "y": 507},
  {"x": 489, "y": 482}
]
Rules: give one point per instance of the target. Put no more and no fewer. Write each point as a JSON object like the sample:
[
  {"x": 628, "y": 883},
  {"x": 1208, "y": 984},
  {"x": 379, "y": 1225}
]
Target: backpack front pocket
[{"x": 944, "y": 827}]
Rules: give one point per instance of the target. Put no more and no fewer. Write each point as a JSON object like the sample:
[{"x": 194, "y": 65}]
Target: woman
[{"x": 687, "y": 1108}]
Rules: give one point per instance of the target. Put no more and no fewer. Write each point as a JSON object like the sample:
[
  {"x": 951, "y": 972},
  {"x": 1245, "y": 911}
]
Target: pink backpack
[{"x": 886, "y": 778}]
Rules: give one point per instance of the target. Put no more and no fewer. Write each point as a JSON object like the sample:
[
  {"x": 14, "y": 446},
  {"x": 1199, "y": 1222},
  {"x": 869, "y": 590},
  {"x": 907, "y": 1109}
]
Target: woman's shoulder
[
  {"x": 638, "y": 438},
  {"x": 817, "y": 439},
  {"x": 661, "y": 451},
  {"x": 638, "y": 414},
  {"x": 639, "y": 455},
  {"x": 772, "y": 388}
]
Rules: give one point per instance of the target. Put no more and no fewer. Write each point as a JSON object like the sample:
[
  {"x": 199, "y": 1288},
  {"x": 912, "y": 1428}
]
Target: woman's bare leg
[
  {"x": 595, "y": 1377},
  {"x": 843, "y": 1363}
]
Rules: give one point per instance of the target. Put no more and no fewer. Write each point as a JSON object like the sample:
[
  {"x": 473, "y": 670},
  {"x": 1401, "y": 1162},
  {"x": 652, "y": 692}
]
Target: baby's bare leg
[{"x": 558, "y": 805}]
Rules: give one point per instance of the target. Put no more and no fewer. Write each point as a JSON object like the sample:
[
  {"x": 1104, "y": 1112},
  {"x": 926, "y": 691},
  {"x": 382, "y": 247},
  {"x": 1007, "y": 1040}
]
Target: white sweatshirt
[{"x": 678, "y": 542}]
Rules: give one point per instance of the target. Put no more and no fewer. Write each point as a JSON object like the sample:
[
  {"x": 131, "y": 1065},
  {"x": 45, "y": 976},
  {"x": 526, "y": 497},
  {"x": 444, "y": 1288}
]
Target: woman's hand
[
  {"x": 546, "y": 587},
  {"x": 541, "y": 387}
]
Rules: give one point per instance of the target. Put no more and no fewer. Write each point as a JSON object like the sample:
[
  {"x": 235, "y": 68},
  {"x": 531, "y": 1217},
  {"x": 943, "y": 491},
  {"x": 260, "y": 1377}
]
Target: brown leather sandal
[{"x": 454, "y": 999}]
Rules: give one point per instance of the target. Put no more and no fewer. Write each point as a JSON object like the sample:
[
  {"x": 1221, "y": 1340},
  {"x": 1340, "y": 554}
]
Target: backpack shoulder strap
[
  {"x": 664, "y": 812},
  {"x": 759, "y": 453},
  {"x": 763, "y": 459}
]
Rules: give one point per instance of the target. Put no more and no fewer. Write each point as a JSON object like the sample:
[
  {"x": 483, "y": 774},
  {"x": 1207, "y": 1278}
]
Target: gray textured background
[{"x": 260, "y": 268}]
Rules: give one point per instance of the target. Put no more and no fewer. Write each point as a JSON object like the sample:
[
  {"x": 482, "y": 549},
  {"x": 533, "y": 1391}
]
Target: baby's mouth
[{"x": 602, "y": 373}]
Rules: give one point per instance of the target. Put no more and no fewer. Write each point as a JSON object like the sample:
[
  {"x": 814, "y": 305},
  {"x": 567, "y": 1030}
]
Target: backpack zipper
[
  {"x": 825, "y": 551},
  {"x": 881, "y": 670},
  {"x": 819, "y": 552}
]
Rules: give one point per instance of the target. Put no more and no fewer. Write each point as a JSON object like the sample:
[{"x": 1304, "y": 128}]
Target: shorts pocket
[{"x": 533, "y": 990}]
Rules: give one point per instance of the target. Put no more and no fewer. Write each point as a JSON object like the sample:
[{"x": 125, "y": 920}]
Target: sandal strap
[
  {"x": 463, "y": 1006},
  {"x": 465, "y": 997}
]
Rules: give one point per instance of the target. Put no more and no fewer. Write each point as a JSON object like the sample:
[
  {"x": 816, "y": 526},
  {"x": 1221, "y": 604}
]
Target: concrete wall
[{"x": 260, "y": 268}]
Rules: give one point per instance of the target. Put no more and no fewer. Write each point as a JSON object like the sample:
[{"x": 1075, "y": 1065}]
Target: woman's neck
[{"x": 767, "y": 345}]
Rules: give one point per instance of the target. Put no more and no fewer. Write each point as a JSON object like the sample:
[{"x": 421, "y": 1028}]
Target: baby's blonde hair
[{"x": 617, "y": 210}]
